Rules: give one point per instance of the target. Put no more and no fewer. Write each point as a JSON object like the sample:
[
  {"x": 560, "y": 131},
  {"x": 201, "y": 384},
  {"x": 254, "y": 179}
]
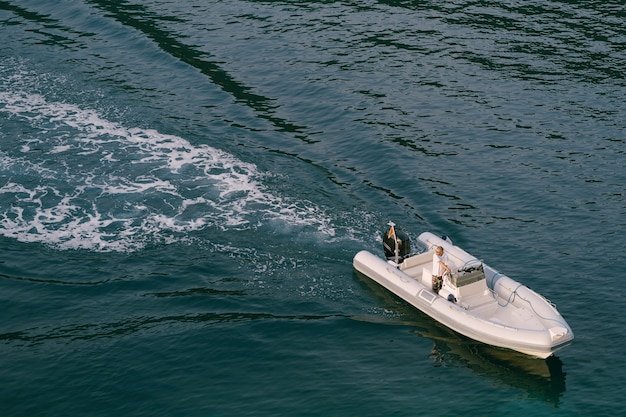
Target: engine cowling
[{"x": 396, "y": 239}]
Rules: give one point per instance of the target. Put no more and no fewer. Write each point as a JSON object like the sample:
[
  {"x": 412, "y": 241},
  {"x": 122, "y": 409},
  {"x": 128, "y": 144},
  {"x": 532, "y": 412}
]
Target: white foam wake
[{"x": 78, "y": 180}]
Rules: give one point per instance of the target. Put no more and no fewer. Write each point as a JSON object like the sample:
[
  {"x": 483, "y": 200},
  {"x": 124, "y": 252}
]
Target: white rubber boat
[{"x": 475, "y": 300}]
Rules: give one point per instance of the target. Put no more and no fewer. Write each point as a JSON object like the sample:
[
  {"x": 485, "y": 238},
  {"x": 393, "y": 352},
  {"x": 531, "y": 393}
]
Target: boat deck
[{"x": 470, "y": 290}]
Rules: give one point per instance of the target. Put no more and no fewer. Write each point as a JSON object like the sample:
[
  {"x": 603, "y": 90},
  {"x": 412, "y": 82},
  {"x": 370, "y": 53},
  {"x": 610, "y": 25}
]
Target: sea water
[{"x": 183, "y": 186}]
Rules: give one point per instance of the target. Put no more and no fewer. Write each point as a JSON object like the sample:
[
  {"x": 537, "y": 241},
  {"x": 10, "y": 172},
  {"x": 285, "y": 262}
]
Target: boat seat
[
  {"x": 414, "y": 265},
  {"x": 416, "y": 260},
  {"x": 478, "y": 287},
  {"x": 476, "y": 301},
  {"x": 427, "y": 277}
]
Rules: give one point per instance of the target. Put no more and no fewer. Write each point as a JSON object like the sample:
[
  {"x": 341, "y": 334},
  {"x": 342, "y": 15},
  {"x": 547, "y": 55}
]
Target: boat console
[{"x": 468, "y": 276}]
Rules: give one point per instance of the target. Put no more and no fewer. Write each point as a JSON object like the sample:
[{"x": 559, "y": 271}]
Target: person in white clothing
[{"x": 440, "y": 267}]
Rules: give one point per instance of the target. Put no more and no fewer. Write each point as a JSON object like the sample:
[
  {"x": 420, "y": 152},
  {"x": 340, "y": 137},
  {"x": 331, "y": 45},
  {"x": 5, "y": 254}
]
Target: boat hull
[{"x": 507, "y": 314}]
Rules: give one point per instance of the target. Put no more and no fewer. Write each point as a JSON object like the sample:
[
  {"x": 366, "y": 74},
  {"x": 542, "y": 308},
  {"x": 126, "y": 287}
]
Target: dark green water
[{"x": 183, "y": 186}]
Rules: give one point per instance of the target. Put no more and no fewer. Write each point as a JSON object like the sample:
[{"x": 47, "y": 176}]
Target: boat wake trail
[{"x": 76, "y": 180}]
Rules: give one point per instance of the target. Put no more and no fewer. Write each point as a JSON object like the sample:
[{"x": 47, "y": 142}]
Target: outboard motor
[{"x": 396, "y": 244}]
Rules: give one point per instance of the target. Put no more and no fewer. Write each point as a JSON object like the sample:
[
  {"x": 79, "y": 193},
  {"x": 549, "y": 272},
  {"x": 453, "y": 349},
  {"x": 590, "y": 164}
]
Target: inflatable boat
[{"x": 474, "y": 299}]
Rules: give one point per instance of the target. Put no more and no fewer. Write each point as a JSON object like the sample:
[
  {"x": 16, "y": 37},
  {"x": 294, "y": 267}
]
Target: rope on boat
[
  {"x": 493, "y": 277},
  {"x": 512, "y": 295}
]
